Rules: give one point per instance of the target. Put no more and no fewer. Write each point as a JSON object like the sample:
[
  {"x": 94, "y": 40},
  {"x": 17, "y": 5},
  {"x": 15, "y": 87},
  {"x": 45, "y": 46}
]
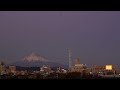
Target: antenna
[{"x": 70, "y": 59}]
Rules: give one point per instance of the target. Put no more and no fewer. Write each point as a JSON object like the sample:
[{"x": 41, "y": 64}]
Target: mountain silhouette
[{"x": 36, "y": 60}]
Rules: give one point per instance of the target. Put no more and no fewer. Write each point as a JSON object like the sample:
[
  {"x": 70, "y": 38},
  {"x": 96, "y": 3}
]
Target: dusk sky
[{"x": 93, "y": 36}]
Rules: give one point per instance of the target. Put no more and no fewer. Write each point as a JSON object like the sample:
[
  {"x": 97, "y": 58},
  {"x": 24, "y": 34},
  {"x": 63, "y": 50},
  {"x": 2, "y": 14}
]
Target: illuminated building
[
  {"x": 61, "y": 70},
  {"x": 12, "y": 69},
  {"x": 45, "y": 69},
  {"x": 58, "y": 69},
  {"x": 104, "y": 70},
  {"x": 108, "y": 67},
  {"x": 2, "y": 68},
  {"x": 77, "y": 67},
  {"x": 98, "y": 69},
  {"x": 89, "y": 70}
]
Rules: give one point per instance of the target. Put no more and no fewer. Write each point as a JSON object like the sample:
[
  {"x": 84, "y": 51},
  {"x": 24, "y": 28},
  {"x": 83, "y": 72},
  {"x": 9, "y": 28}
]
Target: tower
[{"x": 70, "y": 59}]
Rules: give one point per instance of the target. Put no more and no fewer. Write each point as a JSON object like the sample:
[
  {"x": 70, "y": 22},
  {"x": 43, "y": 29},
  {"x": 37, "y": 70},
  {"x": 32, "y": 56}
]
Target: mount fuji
[{"x": 36, "y": 60}]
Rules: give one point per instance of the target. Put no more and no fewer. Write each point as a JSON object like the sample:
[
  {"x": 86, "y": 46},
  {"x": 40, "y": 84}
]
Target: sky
[{"x": 93, "y": 36}]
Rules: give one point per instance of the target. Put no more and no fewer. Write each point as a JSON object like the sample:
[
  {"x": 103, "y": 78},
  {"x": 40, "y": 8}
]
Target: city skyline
[{"x": 93, "y": 36}]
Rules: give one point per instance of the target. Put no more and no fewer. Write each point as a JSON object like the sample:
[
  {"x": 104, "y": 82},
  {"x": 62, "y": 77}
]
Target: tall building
[
  {"x": 2, "y": 68},
  {"x": 77, "y": 67}
]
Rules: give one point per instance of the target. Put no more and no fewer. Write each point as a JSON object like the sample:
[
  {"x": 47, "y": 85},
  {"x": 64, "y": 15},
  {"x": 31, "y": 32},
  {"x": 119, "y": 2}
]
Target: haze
[{"x": 93, "y": 36}]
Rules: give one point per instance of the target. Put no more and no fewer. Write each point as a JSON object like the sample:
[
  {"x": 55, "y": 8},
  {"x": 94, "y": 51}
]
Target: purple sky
[{"x": 93, "y": 36}]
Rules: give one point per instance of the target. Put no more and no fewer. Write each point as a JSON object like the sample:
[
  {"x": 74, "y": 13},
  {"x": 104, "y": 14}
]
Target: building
[
  {"x": 2, "y": 68},
  {"x": 61, "y": 70},
  {"x": 12, "y": 69},
  {"x": 109, "y": 70},
  {"x": 45, "y": 69},
  {"x": 108, "y": 67},
  {"x": 77, "y": 67},
  {"x": 117, "y": 71},
  {"x": 88, "y": 70},
  {"x": 104, "y": 70},
  {"x": 97, "y": 69}
]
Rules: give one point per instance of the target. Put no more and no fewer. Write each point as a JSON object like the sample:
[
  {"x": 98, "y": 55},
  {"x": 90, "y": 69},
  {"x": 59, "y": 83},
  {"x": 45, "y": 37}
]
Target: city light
[{"x": 108, "y": 67}]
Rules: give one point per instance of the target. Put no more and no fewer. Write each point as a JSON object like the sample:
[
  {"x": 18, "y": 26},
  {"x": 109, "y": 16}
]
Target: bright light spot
[{"x": 108, "y": 67}]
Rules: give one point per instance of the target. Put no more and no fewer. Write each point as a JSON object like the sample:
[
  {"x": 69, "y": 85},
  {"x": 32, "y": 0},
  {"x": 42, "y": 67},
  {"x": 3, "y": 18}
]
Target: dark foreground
[{"x": 59, "y": 76}]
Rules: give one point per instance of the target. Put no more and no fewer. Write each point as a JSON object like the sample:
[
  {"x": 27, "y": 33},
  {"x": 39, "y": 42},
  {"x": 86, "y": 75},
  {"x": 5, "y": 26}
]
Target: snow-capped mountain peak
[{"x": 34, "y": 57}]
